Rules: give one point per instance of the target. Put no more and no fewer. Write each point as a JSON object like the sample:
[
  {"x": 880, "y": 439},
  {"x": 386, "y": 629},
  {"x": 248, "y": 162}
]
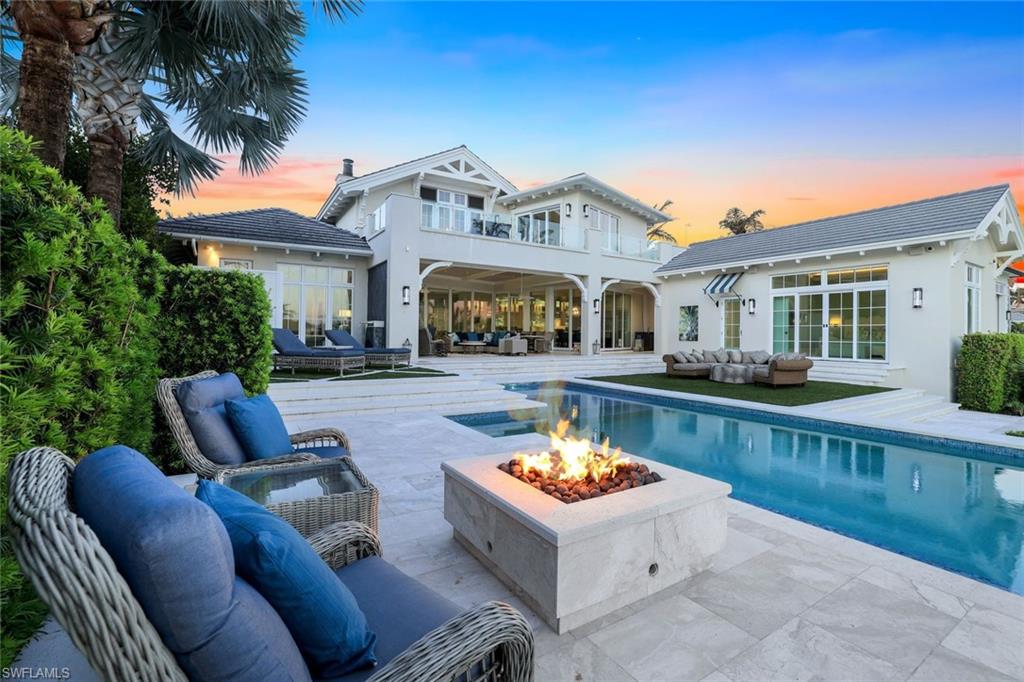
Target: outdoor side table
[{"x": 312, "y": 495}]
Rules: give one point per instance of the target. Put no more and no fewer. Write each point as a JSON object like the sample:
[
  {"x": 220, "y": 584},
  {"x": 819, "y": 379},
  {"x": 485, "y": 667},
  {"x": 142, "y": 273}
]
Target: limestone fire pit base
[{"x": 574, "y": 563}]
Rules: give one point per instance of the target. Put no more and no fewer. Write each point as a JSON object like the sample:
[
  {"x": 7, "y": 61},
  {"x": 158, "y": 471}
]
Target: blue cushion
[
  {"x": 472, "y": 336},
  {"x": 287, "y": 343},
  {"x": 321, "y": 613},
  {"x": 325, "y": 451},
  {"x": 398, "y": 608},
  {"x": 176, "y": 557},
  {"x": 259, "y": 426},
  {"x": 340, "y": 337},
  {"x": 381, "y": 351},
  {"x": 202, "y": 403},
  {"x": 339, "y": 352}
]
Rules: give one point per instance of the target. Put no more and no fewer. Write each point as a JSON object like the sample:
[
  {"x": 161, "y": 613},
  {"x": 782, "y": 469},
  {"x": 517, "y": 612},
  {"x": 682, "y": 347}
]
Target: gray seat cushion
[
  {"x": 694, "y": 366},
  {"x": 760, "y": 370},
  {"x": 398, "y": 608},
  {"x": 175, "y": 555},
  {"x": 202, "y": 403}
]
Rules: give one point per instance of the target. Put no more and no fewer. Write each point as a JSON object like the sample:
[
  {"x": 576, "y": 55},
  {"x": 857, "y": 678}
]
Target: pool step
[{"x": 868, "y": 402}]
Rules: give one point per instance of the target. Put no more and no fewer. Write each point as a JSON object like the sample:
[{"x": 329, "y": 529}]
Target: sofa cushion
[
  {"x": 325, "y": 451},
  {"x": 287, "y": 343},
  {"x": 340, "y": 337},
  {"x": 453, "y": 337},
  {"x": 398, "y": 608},
  {"x": 321, "y": 613},
  {"x": 258, "y": 425},
  {"x": 694, "y": 356},
  {"x": 215, "y": 624},
  {"x": 759, "y": 370},
  {"x": 488, "y": 337},
  {"x": 735, "y": 356},
  {"x": 720, "y": 356},
  {"x": 708, "y": 356},
  {"x": 680, "y": 357},
  {"x": 693, "y": 366},
  {"x": 202, "y": 404}
]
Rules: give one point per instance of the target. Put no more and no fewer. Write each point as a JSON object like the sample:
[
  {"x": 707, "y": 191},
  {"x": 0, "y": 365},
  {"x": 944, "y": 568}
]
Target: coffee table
[
  {"x": 312, "y": 495},
  {"x": 732, "y": 374},
  {"x": 473, "y": 346}
]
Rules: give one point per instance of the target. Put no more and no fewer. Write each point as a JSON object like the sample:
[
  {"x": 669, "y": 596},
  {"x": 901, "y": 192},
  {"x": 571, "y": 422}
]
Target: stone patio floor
[{"x": 783, "y": 601}]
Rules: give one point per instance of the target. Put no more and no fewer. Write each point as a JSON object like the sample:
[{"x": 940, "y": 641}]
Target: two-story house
[{"x": 446, "y": 242}]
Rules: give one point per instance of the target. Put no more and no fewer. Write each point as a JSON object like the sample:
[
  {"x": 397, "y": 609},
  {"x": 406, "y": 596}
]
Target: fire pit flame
[{"x": 571, "y": 469}]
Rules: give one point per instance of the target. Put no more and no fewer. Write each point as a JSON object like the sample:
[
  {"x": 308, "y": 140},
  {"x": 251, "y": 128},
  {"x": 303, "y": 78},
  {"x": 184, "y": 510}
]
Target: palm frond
[
  {"x": 10, "y": 80},
  {"x": 339, "y": 10},
  {"x": 194, "y": 165}
]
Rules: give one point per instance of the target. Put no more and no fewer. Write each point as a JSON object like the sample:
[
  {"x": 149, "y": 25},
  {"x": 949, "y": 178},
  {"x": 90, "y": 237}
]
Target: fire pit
[
  {"x": 571, "y": 470},
  {"x": 576, "y": 561}
]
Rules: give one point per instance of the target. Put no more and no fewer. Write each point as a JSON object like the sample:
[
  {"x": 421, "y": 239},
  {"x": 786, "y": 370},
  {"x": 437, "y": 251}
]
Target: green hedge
[
  {"x": 988, "y": 377},
  {"x": 77, "y": 348},
  {"x": 212, "y": 319}
]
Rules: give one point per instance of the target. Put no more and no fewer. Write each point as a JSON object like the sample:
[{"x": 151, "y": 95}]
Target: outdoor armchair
[
  {"x": 309, "y": 445},
  {"x": 374, "y": 356},
  {"x": 293, "y": 354},
  {"x": 421, "y": 635}
]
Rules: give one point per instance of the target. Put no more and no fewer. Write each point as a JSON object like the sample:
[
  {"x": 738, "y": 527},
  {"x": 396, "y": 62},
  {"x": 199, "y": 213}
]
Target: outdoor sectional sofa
[
  {"x": 491, "y": 341},
  {"x": 142, "y": 577},
  {"x": 780, "y": 369}
]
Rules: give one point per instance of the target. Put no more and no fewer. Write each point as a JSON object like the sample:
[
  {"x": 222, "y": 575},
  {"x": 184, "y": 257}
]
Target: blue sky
[{"x": 803, "y": 109}]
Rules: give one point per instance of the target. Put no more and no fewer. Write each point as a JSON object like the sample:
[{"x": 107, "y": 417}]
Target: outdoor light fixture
[
  {"x": 751, "y": 306},
  {"x": 597, "y": 306},
  {"x": 405, "y": 295},
  {"x": 918, "y": 297},
  {"x": 568, "y": 210},
  {"x": 586, "y": 210}
]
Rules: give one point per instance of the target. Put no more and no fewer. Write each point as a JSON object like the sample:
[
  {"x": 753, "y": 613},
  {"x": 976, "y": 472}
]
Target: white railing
[
  {"x": 634, "y": 247},
  {"x": 447, "y": 218}
]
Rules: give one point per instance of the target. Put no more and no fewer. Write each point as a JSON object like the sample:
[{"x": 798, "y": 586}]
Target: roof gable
[
  {"x": 267, "y": 226},
  {"x": 588, "y": 183},
  {"x": 951, "y": 215}
]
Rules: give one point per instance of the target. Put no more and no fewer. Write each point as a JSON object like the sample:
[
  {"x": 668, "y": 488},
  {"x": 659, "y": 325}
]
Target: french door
[
  {"x": 840, "y": 325},
  {"x": 567, "y": 318}
]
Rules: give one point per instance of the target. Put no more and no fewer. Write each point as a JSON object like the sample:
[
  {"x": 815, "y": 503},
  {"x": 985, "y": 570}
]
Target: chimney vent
[{"x": 346, "y": 168}]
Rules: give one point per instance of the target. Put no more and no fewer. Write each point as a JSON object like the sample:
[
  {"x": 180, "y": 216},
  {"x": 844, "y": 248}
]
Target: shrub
[
  {"x": 989, "y": 371},
  {"x": 212, "y": 319},
  {"x": 78, "y": 369}
]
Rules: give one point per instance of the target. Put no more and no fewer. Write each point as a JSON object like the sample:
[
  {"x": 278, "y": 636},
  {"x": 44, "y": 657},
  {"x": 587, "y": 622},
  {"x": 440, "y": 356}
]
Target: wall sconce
[
  {"x": 751, "y": 306},
  {"x": 568, "y": 210},
  {"x": 918, "y": 297},
  {"x": 405, "y": 294},
  {"x": 586, "y": 210},
  {"x": 597, "y": 306}
]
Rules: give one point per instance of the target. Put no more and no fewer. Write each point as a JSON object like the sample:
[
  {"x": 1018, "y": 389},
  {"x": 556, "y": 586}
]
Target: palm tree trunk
[
  {"x": 44, "y": 98},
  {"x": 106, "y": 163}
]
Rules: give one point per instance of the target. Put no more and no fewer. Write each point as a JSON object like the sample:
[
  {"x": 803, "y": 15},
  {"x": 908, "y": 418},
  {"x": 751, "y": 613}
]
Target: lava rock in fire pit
[{"x": 626, "y": 475}]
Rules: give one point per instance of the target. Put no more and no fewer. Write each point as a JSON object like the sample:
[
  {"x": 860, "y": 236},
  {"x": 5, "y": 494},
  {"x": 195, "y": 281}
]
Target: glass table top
[{"x": 296, "y": 483}]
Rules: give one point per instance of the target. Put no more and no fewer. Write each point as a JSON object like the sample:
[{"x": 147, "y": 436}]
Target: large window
[
  {"x": 538, "y": 311},
  {"x": 436, "y": 314},
  {"x": 616, "y": 322},
  {"x": 541, "y": 227},
  {"x": 315, "y": 298},
  {"x": 508, "y": 312},
  {"x": 839, "y": 314},
  {"x": 973, "y": 298},
  {"x": 471, "y": 311},
  {"x": 567, "y": 318},
  {"x": 731, "y": 323}
]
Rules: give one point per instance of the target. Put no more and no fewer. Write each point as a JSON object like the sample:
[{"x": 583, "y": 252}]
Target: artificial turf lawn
[
  {"x": 283, "y": 376},
  {"x": 789, "y": 396}
]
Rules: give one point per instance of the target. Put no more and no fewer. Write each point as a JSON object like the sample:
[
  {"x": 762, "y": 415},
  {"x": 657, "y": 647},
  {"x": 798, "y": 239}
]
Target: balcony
[
  {"x": 632, "y": 247},
  {"x": 468, "y": 221}
]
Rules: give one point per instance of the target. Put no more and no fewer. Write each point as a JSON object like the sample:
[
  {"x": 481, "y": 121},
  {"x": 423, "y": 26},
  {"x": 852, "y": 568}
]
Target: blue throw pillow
[
  {"x": 319, "y": 610},
  {"x": 259, "y": 426}
]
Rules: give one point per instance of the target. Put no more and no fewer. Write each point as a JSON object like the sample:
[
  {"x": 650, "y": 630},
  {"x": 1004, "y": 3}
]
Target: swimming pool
[{"x": 952, "y": 504}]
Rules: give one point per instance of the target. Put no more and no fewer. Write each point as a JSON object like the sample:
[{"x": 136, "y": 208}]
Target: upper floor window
[
  {"x": 540, "y": 227},
  {"x": 447, "y": 209},
  {"x": 607, "y": 223},
  {"x": 973, "y": 298}
]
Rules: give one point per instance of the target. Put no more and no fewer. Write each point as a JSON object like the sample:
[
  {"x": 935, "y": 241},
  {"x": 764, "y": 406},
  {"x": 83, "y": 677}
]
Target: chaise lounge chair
[
  {"x": 293, "y": 354},
  {"x": 216, "y": 457},
  {"x": 374, "y": 356},
  {"x": 141, "y": 576}
]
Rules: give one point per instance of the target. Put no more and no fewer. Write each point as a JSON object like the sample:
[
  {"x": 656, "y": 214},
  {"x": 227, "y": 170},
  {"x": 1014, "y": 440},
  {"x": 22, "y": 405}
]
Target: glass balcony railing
[
  {"x": 634, "y": 247},
  {"x": 447, "y": 218}
]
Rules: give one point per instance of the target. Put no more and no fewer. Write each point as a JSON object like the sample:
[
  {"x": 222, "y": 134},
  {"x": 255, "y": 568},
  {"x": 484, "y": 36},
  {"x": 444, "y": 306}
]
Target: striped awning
[{"x": 722, "y": 283}]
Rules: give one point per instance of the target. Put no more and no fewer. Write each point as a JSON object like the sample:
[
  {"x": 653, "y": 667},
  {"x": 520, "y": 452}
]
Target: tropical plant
[
  {"x": 226, "y": 67},
  {"x": 658, "y": 231},
  {"x": 738, "y": 222}
]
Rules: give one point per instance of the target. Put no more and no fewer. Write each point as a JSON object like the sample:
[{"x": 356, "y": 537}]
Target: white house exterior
[
  {"x": 882, "y": 296},
  {"x": 445, "y": 241}
]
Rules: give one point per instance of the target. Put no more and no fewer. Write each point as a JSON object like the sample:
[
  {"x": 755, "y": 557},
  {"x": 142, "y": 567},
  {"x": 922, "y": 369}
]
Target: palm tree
[
  {"x": 51, "y": 31},
  {"x": 738, "y": 222},
  {"x": 226, "y": 66},
  {"x": 658, "y": 232}
]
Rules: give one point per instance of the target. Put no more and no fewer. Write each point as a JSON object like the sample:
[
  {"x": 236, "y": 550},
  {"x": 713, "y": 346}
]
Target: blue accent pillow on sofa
[
  {"x": 202, "y": 403},
  {"x": 321, "y": 613},
  {"x": 176, "y": 557},
  {"x": 259, "y": 427}
]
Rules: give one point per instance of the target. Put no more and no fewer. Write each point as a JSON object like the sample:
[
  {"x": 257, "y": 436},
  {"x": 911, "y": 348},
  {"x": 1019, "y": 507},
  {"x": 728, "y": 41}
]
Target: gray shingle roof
[
  {"x": 271, "y": 225},
  {"x": 914, "y": 220}
]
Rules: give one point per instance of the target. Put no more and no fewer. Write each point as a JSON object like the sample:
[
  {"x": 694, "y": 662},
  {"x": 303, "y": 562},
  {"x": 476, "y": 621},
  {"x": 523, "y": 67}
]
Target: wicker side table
[{"x": 312, "y": 496}]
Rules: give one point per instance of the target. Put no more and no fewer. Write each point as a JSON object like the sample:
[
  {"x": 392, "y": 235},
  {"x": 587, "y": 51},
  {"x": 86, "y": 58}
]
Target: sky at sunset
[{"x": 803, "y": 110}]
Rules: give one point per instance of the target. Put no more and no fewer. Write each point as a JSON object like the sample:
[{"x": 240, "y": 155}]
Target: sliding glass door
[
  {"x": 838, "y": 325},
  {"x": 567, "y": 318},
  {"x": 616, "y": 321}
]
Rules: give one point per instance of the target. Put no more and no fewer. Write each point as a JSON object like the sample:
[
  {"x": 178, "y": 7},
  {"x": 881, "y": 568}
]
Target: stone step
[
  {"x": 937, "y": 412},
  {"x": 909, "y": 406},
  {"x": 353, "y": 389},
  {"x": 483, "y": 399},
  {"x": 869, "y": 401}
]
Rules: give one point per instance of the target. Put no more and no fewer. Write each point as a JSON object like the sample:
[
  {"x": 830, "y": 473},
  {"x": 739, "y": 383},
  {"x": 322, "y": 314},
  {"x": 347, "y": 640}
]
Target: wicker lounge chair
[
  {"x": 309, "y": 445},
  {"x": 84, "y": 584},
  {"x": 374, "y": 356},
  {"x": 293, "y": 354}
]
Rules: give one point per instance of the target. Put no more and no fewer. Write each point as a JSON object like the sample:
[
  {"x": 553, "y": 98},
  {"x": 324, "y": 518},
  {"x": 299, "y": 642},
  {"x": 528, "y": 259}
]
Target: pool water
[{"x": 959, "y": 506}]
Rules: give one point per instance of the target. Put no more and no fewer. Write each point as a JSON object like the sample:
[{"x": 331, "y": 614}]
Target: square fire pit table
[
  {"x": 311, "y": 495},
  {"x": 573, "y": 563}
]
